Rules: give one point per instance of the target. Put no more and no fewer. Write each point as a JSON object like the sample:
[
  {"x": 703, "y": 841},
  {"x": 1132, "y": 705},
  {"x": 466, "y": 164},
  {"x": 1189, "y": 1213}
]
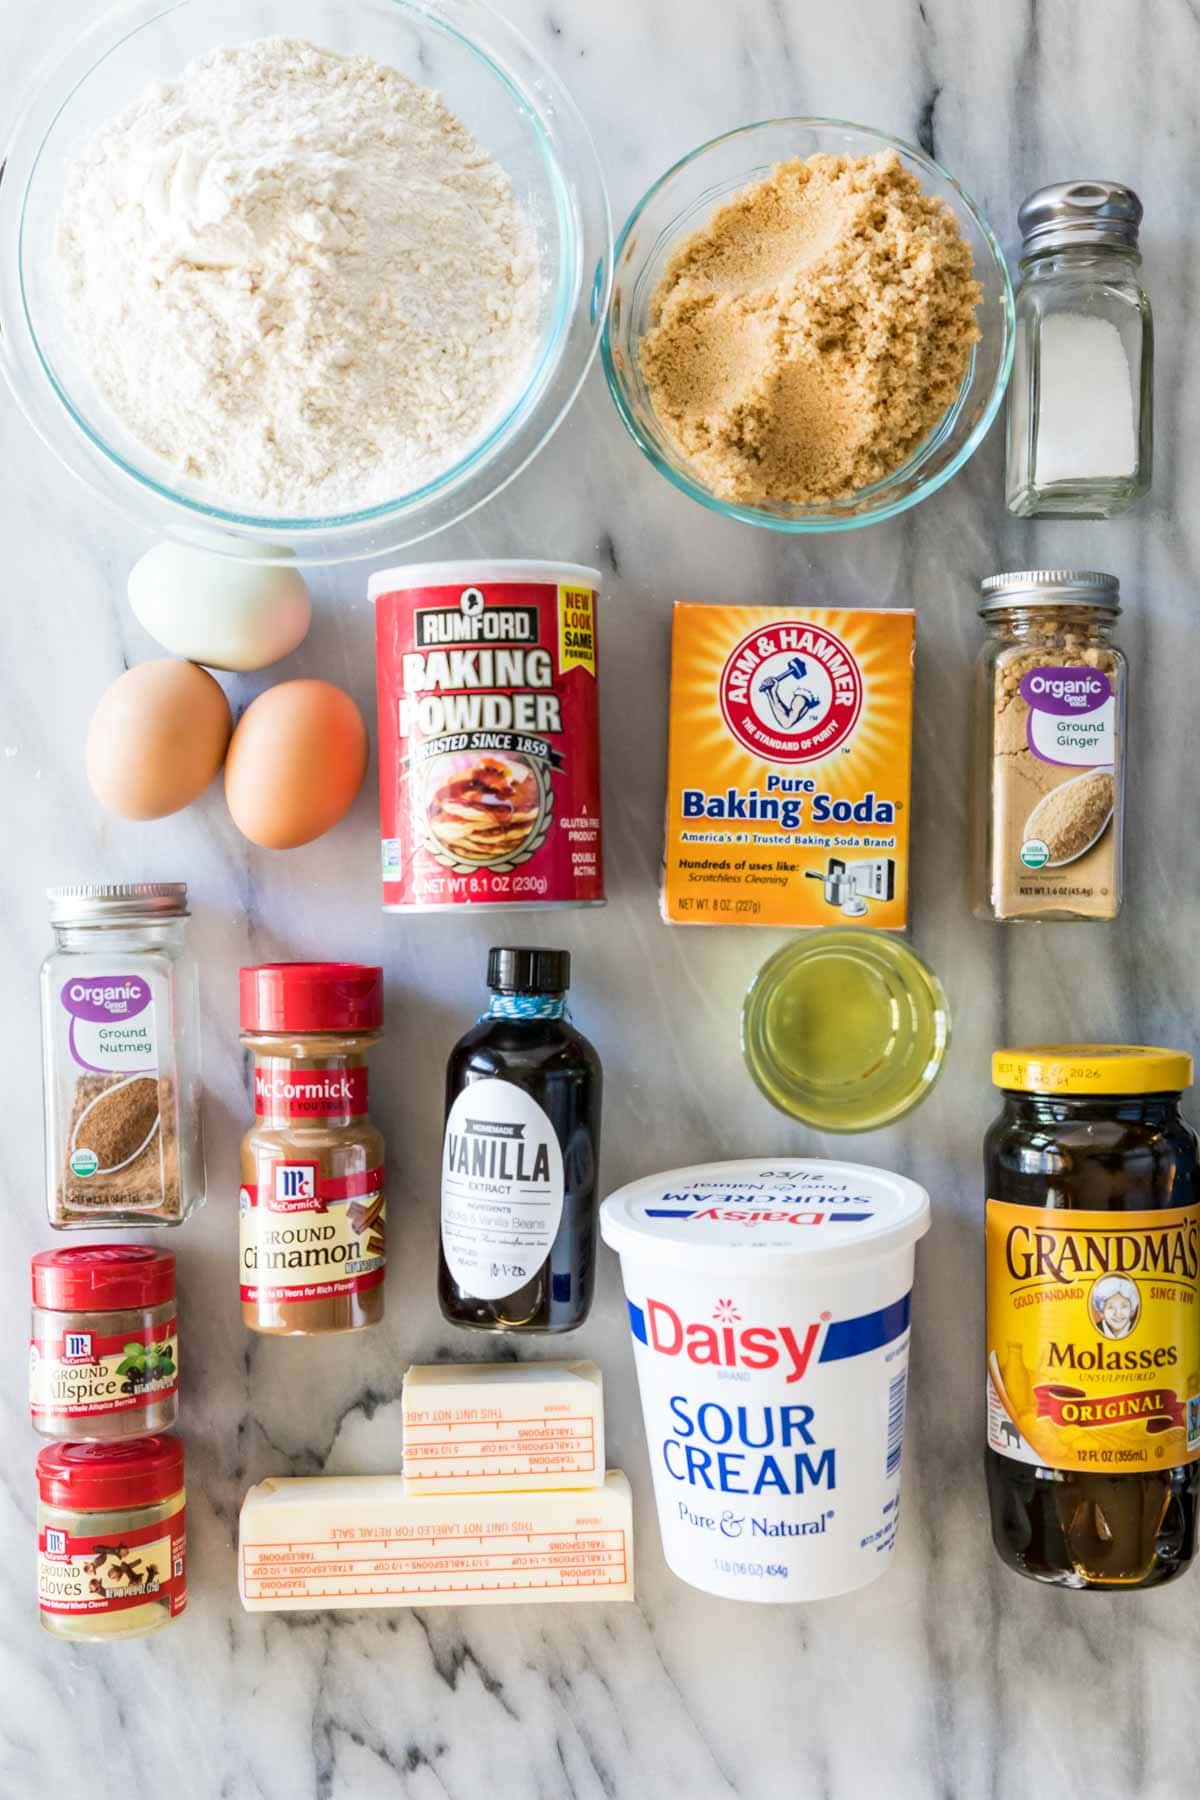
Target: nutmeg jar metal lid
[
  {"x": 102, "y": 1277},
  {"x": 110, "y": 1477},
  {"x": 116, "y": 903}
]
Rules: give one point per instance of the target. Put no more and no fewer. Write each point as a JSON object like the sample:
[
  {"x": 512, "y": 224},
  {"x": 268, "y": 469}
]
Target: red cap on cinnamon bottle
[{"x": 311, "y": 997}]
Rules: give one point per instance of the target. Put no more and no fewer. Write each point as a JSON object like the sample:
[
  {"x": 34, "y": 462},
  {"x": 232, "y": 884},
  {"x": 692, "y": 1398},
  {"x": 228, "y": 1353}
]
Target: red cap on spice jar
[
  {"x": 108, "y": 1477},
  {"x": 102, "y": 1277},
  {"x": 312, "y": 997}
]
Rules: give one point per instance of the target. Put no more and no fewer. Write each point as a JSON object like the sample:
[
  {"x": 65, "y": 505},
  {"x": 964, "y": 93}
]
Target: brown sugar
[{"x": 806, "y": 341}]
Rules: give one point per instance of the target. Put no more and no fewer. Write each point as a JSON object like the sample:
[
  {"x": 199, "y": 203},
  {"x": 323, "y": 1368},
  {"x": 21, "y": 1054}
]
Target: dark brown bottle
[
  {"x": 519, "y": 1156},
  {"x": 1093, "y": 1321}
]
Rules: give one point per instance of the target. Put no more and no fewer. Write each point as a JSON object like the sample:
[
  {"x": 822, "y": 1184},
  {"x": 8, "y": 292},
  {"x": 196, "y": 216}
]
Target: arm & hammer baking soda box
[{"x": 789, "y": 764}]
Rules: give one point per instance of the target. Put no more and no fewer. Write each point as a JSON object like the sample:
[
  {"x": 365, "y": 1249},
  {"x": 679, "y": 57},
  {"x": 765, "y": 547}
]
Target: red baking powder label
[
  {"x": 489, "y": 749},
  {"x": 305, "y": 1236},
  {"x": 90, "y": 1374},
  {"x": 115, "y": 1572},
  {"x": 284, "y": 1092}
]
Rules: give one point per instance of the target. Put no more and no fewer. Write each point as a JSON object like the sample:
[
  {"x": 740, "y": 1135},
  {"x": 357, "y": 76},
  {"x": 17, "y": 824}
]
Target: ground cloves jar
[
  {"x": 104, "y": 1345},
  {"x": 312, "y": 1199},
  {"x": 112, "y": 1556}
]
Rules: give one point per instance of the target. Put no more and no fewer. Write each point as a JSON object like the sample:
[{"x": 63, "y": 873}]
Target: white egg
[{"x": 226, "y": 612}]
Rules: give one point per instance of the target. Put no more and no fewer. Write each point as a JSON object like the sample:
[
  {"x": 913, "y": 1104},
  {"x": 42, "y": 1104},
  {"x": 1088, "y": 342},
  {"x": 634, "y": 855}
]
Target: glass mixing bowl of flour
[
  {"x": 510, "y": 103},
  {"x": 682, "y": 203}
]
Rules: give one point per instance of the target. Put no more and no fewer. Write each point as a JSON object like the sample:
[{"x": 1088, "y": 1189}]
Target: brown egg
[
  {"x": 296, "y": 762},
  {"x": 157, "y": 738}
]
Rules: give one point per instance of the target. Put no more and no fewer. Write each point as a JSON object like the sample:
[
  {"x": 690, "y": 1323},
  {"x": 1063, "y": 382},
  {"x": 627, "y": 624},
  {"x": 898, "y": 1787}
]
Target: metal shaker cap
[{"x": 1067, "y": 213}]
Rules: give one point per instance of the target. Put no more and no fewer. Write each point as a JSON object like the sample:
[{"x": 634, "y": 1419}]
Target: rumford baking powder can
[{"x": 489, "y": 735}]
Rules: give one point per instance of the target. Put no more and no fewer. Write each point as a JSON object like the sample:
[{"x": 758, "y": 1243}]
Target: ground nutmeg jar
[
  {"x": 104, "y": 1344},
  {"x": 121, "y": 1049},
  {"x": 312, "y": 1199},
  {"x": 112, "y": 1560}
]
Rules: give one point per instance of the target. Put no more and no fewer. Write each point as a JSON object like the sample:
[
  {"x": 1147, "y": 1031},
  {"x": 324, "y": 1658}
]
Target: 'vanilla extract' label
[
  {"x": 1093, "y": 1336},
  {"x": 502, "y": 1189}
]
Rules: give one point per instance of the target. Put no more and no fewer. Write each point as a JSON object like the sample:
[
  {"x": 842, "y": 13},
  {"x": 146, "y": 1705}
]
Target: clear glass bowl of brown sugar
[{"x": 682, "y": 203}]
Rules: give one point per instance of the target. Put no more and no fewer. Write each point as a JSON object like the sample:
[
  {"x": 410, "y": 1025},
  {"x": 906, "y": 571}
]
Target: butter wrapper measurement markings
[
  {"x": 364, "y": 1541},
  {"x": 472, "y": 1427},
  {"x": 489, "y": 735},
  {"x": 790, "y": 749}
]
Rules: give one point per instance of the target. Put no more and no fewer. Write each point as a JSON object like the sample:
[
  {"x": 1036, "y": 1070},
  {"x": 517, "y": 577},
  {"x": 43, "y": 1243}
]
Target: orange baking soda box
[{"x": 789, "y": 765}]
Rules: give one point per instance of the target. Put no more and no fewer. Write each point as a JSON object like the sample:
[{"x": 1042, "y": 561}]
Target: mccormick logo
[
  {"x": 791, "y": 693},
  {"x": 77, "y": 1346},
  {"x": 294, "y": 1188}
]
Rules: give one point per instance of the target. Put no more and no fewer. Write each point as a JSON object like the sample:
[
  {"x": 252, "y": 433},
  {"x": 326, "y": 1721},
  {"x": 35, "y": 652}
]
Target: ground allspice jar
[
  {"x": 312, "y": 1200},
  {"x": 1093, "y": 1315},
  {"x": 112, "y": 1559},
  {"x": 1050, "y": 748},
  {"x": 104, "y": 1345}
]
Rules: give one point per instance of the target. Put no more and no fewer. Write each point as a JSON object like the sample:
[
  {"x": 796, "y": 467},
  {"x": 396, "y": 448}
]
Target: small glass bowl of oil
[{"x": 846, "y": 1030}]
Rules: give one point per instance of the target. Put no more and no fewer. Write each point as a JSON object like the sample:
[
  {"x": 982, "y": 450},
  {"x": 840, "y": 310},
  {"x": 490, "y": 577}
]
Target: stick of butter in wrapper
[
  {"x": 489, "y": 1427},
  {"x": 312, "y": 1544}
]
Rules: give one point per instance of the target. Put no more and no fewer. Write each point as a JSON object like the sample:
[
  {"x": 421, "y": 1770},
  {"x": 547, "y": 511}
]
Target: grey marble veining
[{"x": 951, "y": 1677}]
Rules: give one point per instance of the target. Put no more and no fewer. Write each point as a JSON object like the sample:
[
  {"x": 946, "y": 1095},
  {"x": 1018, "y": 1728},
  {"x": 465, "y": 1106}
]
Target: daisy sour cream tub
[{"x": 769, "y": 1303}]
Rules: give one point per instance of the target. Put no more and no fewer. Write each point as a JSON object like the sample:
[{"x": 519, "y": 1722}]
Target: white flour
[{"x": 298, "y": 278}]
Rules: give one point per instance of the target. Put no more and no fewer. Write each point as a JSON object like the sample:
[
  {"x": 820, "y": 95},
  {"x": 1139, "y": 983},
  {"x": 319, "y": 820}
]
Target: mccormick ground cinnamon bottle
[
  {"x": 312, "y": 1201},
  {"x": 518, "y": 1237},
  {"x": 1093, "y": 1315}
]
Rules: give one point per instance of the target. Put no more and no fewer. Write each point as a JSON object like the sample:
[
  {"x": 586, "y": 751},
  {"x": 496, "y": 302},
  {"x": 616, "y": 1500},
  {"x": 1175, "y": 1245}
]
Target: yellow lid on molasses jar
[{"x": 1092, "y": 1069}]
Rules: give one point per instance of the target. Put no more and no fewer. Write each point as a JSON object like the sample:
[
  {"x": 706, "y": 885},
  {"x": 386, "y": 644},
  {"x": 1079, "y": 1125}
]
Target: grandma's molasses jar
[
  {"x": 312, "y": 1200},
  {"x": 1093, "y": 1322},
  {"x": 519, "y": 1156}
]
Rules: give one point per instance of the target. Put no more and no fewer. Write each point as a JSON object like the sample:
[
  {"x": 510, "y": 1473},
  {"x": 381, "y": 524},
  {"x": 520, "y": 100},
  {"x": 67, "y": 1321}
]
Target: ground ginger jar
[
  {"x": 312, "y": 1244},
  {"x": 1050, "y": 748},
  {"x": 112, "y": 1556},
  {"x": 1093, "y": 1315},
  {"x": 104, "y": 1343}
]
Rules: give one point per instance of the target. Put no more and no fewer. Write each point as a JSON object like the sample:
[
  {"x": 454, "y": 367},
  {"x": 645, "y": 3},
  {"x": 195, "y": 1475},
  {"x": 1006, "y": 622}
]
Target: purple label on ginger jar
[{"x": 1053, "y": 690}]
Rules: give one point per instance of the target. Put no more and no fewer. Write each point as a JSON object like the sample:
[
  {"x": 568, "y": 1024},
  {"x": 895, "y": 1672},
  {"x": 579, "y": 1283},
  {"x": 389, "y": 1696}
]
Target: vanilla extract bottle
[{"x": 519, "y": 1156}]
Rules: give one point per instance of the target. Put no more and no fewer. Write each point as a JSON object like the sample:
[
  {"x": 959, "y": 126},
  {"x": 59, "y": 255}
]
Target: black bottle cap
[{"x": 528, "y": 971}]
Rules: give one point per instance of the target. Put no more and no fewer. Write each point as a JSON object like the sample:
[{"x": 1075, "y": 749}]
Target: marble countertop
[{"x": 950, "y": 1677}]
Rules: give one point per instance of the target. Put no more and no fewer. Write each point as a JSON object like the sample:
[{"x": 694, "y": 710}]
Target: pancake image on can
[
  {"x": 485, "y": 810},
  {"x": 489, "y": 747}
]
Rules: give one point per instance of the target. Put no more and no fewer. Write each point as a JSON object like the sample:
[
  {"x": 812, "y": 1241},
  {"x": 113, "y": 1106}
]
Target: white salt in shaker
[{"x": 1079, "y": 408}]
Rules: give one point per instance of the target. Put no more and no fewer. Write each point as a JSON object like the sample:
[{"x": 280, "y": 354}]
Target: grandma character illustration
[
  {"x": 788, "y": 700},
  {"x": 1114, "y": 1305}
]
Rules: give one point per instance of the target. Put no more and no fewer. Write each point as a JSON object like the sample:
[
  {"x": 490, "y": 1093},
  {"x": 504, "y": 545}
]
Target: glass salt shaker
[
  {"x": 121, "y": 1048},
  {"x": 1080, "y": 407}
]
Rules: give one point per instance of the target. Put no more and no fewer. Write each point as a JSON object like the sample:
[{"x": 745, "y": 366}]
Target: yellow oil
[{"x": 845, "y": 1030}]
